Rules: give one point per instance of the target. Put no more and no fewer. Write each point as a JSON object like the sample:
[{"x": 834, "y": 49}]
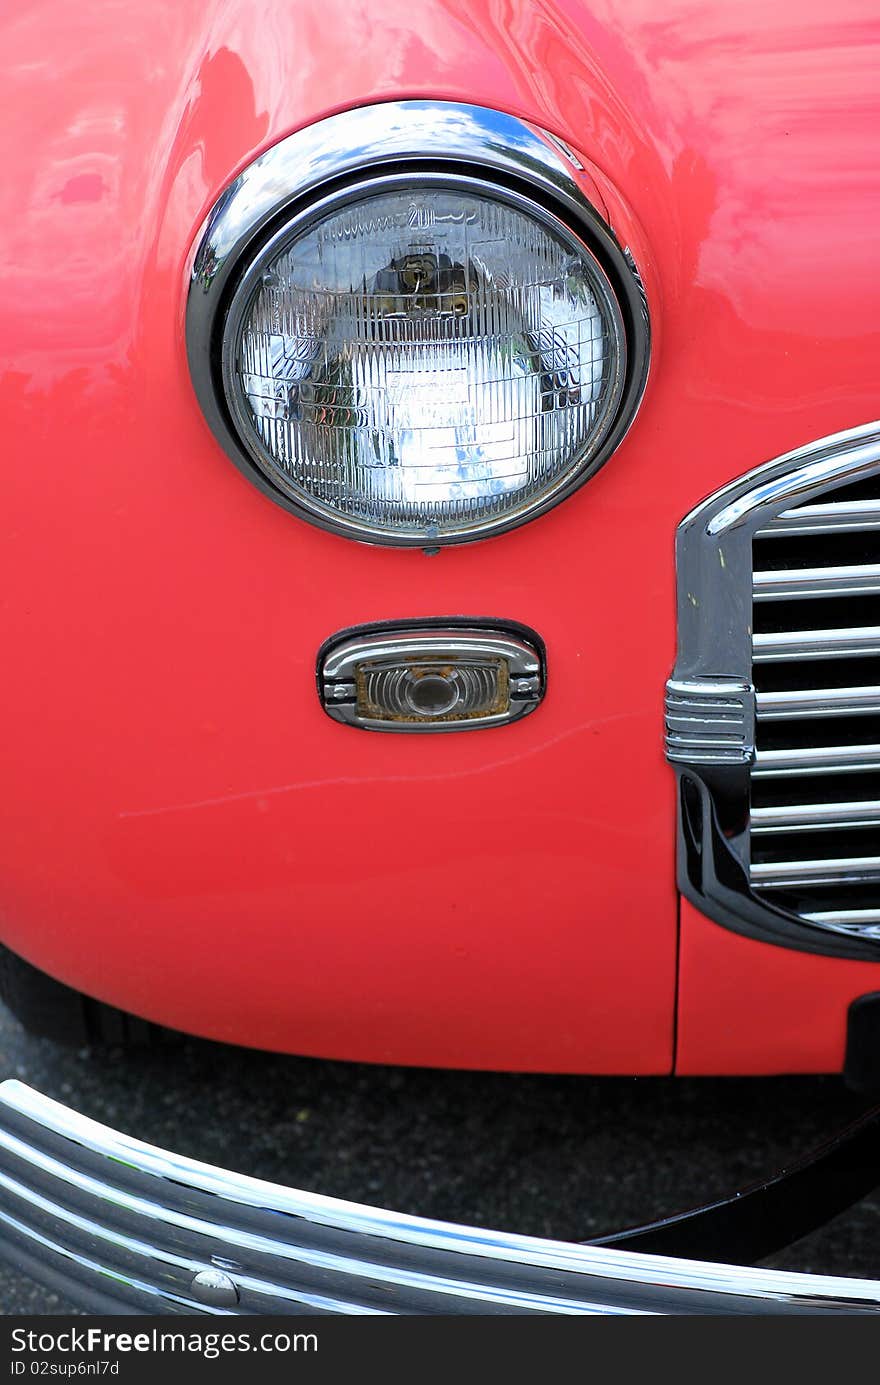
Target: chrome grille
[
  {"x": 814, "y": 845},
  {"x": 773, "y": 707}
]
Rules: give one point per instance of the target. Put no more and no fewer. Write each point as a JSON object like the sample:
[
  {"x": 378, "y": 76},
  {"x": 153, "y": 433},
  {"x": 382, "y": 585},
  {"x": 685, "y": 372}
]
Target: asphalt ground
[{"x": 568, "y": 1157}]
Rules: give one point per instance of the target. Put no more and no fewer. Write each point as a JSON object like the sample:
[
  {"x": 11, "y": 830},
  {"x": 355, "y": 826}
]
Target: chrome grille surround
[{"x": 778, "y": 654}]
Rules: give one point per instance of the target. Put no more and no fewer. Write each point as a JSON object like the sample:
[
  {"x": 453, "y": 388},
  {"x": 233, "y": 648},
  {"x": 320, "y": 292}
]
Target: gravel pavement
[{"x": 552, "y": 1156}]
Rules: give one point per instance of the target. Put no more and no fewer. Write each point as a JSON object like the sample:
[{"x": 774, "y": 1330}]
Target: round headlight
[{"x": 422, "y": 358}]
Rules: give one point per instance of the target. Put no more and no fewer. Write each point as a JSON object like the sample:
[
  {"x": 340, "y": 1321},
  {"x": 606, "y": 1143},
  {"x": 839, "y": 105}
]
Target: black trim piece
[
  {"x": 861, "y": 1065},
  {"x": 770, "y": 1214},
  {"x": 709, "y": 876}
]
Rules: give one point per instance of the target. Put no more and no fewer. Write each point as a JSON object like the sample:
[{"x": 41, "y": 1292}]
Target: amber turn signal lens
[{"x": 441, "y": 688}]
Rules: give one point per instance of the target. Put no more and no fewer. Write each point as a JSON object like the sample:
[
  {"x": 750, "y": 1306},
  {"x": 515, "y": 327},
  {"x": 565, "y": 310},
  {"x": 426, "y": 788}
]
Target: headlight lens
[{"x": 424, "y": 362}]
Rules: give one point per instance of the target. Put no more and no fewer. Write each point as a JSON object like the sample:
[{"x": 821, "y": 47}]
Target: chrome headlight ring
[{"x": 360, "y": 154}]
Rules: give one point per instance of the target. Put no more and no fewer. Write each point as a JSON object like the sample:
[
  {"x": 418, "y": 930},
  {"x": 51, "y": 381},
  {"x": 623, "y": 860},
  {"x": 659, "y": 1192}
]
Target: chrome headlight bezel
[{"x": 353, "y": 154}]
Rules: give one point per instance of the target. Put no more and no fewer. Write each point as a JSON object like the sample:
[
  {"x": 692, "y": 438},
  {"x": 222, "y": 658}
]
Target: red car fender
[{"x": 184, "y": 832}]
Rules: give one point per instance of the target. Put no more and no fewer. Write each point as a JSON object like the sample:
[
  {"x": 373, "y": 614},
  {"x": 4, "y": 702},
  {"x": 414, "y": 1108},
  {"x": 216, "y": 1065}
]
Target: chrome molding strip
[
  {"x": 717, "y": 585},
  {"x": 110, "y": 1218},
  {"x": 840, "y": 870},
  {"x": 709, "y": 721},
  {"x": 795, "y": 478},
  {"x": 832, "y": 518},
  {"x": 804, "y": 584},
  {"x": 817, "y": 644},
  {"x": 844, "y": 919},
  {"x": 817, "y": 702},
  {"x": 817, "y": 759},
  {"x": 827, "y": 816},
  {"x": 419, "y": 141}
]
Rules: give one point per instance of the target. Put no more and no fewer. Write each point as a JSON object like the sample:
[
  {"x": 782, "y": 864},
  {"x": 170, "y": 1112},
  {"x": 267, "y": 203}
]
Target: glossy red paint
[
  {"x": 749, "y": 1008},
  {"x": 183, "y": 831}
]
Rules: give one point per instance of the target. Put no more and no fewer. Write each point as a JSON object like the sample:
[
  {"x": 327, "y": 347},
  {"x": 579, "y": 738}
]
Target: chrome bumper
[{"x": 119, "y": 1226}]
